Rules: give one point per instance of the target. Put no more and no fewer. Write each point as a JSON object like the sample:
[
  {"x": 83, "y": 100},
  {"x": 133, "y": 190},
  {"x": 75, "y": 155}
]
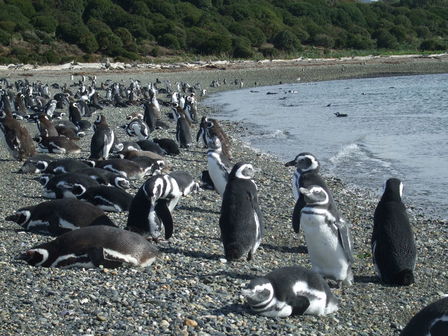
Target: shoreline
[{"x": 188, "y": 291}]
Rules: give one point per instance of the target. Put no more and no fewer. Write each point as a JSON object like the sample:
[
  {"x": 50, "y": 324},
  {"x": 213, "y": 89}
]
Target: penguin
[
  {"x": 46, "y": 127},
  {"x": 60, "y": 186},
  {"x": 218, "y": 165},
  {"x": 17, "y": 138},
  {"x": 290, "y": 290},
  {"x": 148, "y": 145},
  {"x": 61, "y": 166},
  {"x": 126, "y": 168},
  {"x": 102, "y": 139},
  {"x": 104, "y": 197},
  {"x": 210, "y": 128},
  {"x": 32, "y": 164},
  {"x": 105, "y": 177},
  {"x": 430, "y": 321},
  {"x": 59, "y": 216},
  {"x": 153, "y": 205},
  {"x": 327, "y": 237},
  {"x": 240, "y": 222},
  {"x": 93, "y": 246},
  {"x": 393, "y": 245},
  {"x": 168, "y": 145},
  {"x": 306, "y": 174},
  {"x": 185, "y": 182},
  {"x": 183, "y": 131},
  {"x": 57, "y": 145},
  {"x": 138, "y": 128},
  {"x": 124, "y": 146}
]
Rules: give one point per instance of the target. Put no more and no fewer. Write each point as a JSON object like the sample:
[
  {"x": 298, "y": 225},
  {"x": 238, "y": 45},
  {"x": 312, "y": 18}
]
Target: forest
[{"x": 57, "y": 31}]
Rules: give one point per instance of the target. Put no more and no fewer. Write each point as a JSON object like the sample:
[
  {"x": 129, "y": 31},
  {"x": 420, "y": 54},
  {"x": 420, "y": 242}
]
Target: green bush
[
  {"x": 433, "y": 44},
  {"x": 8, "y": 26},
  {"x": 323, "y": 40},
  {"x": 385, "y": 40},
  {"x": 45, "y": 23},
  {"x": 169, "y": 40},
  {"x": 287, "y": 41},
  {"x": 88, "y": 43},
  {"x": 242, "y": 48},
  {"x": 4, "y": 37}
]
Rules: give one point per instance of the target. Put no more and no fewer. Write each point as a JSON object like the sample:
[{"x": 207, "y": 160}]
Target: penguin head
[
  {"x": 213, "y": 143},
  {"x": 44, "y": 179},
  {"x": 304, "y": 162},
  {"x": 242, "y": 170},
  {"x": 314, "y": 195},
  {"x": 35, "y": 256},
  {"x": 21, "y": 217},
  {"x": 77, "y": 189},
  {"x": 259, "y": 291},
  {"x": 393, "y": 190},
  {"x": 121, "y": 182}
]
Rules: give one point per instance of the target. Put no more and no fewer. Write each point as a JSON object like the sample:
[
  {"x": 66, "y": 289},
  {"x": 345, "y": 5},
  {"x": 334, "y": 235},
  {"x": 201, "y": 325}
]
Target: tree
[{"x": 285, "y": 40}]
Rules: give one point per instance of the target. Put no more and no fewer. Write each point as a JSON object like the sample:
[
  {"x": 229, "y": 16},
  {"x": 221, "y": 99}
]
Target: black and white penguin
[
  {"x": 153, "y": 205},
  {"x": 185, "y": 182},
  {"x": 126, "y": 168},
  {"x": 56, "y": 145},
  {"x": 218, "y": 165},
  {"x": 183, "y": 129},
  {"x": 137, "y": 127},
  {"x": 210, "y": 128},
  {"x": 59, "y": 216},
  {"x": 148, "y": 145},
  {"x": 18, "y": 140},
  {"x": 241, "y": 222},
  {"x": 306, "y": 174},
  {"x": 290, "y": 290},
  {"x": 393, "y": 245},
  {"x": 60, "y": 186},
  {"x": 93, "y": 246},
  {"x": 327, "y": 237},
  {"x": 168, "y": 145},
  {"x": 33, "y": 163},
  {"x": 105, "y": 177},
  {"x": 104, "y": 197},
  {"x": 61, "y": 166},
  {"x": 430, "y": 321},
  {"x": 102, "y": 139}
]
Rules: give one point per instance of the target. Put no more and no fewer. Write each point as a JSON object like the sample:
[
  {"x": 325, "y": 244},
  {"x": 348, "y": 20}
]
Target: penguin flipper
[
  {"x": 100, "y": 256},
  {"x": 299, "y": 304},
  {"x": 163, "y": 212},
  {"x": 297, "y": 212},
  {"x": 345, "y": 239}
]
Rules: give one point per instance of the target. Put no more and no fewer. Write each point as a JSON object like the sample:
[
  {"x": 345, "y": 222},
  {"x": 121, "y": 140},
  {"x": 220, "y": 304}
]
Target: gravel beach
[{"x": 188, "y": 290}]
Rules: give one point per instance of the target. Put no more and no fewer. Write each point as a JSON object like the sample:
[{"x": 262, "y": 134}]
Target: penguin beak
[
  {"x": 23, "y": 256},
  {"x": 12, "y": 218},
  {"x": 290, "y": 163}
]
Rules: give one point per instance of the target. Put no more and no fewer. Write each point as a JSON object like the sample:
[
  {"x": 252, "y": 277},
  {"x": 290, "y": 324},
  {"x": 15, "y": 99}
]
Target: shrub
[
  {"x": 88, "y": 43},
  {"x": 285, "y": 40},
  {"x": 386, "y": 40},
  {"x": 242, "y": 48},
  {"x": 323, "y": 40},
  {"x": 169, "y": 40},
  {"x": 433, "y": 44},
  {"x": 45, "y": 23}
]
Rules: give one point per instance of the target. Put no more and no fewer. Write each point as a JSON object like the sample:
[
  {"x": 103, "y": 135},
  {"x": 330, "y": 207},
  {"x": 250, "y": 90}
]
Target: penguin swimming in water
[
  {"x": 218, "y": 165},
  {"x": 393, "y": 245},
  {"x": 102, "y": 139},
  {"x": 327, "y": 236},
  {"x": 154, "y": 203},
  {"x": 306, "y": 174},
  {"x": 92, "y": 247},
  {"x": 59, "y": 216},
  {"x": 241, "y": 222},
  {"x": 430, "y": 321},
  {"x": 290, "y": 290}
]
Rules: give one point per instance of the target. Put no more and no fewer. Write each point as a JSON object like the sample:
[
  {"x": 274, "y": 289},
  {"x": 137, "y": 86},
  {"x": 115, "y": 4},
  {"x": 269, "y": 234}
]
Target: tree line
[{"x": 54, "y": 31}]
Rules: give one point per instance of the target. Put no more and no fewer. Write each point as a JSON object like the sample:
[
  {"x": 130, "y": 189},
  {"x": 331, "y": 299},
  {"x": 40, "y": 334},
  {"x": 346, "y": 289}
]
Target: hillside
[{"x": 55, "y": 31}]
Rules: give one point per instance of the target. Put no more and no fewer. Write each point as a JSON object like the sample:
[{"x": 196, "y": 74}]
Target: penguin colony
[{"x": 85, "y": 187}]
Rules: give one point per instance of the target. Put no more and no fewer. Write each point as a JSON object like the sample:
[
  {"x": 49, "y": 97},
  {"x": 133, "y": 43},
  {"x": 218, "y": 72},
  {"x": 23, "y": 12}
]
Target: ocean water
[{"x": 395, "y": 127}]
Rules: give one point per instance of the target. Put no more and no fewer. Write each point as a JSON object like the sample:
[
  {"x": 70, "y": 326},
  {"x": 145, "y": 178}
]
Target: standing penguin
[
  {"x": 430, "y": 321},
  {"x": 393, "y": 245},
  {"x": 210, "y": 128},
  {"x": 290, "y": 290},
  {"x": 102, "y": 139},
  {"x": 327, "y": 236},
  {"x": 17, "y": 138},
  {"x": 241, "y": 222},
  {"x": 306, "y": 174},
  {"x": 218, "y": 165},
  {"x": 91, "y": 247},
  {"x": 183, "y": 130}
]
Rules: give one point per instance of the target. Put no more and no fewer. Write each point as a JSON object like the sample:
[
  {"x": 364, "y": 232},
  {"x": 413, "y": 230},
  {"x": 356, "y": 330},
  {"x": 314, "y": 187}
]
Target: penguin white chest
[
  {"x": 218, "y": 172},
  {"x": 295, "y": 185},
  {"x": 326, "y": 253}
]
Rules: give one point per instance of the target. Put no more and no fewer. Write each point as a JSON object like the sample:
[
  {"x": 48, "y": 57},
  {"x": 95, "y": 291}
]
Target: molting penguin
[
  {"x": 102, "y": 139},
  {"x": 91, "y": 247},
  {"x": 46, "y": 127},
  {"x": 59, "y": 216},
  {"x": 430, "y": 321},
  {"x": 57, "y": 145},
  {"x": 290, "y": 290},
  {"x": 218, "y": 165},
  {"x": 104, "y": 197},
  {"x": 306, "y": 174},
  {"x": 327, "y": 236},
  {"x": 393, "y": 246},
  {"x": 241, "y": 222},
  {"x": 210, "y": 128},
  {"x": 154, "y": 203},
  {"x": 17, "y": 138}
]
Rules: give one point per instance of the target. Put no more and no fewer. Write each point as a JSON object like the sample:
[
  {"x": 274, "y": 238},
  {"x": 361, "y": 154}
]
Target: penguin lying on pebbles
[
  {"x": 32, "y": 164},
  {"x": 104, "y": 197},
  {"x": 105, "y": 177},
  {"x": 60, "y": 186},
  {"x": 327, "y": 237},
  {"x": 126, "y": 168},
  {"x": 57, "y": 145},
  {"x": 154, "y": 203},
  {"x": 241, "y": 222},
  {"x": 61, "y": 166},
  {"x": 59, "y": 216},
  {"x": 393, "y": 245},
  {"x": 290, "y": 290},
  {"x": 430, "y": 321},
  {"x": 92, "y": 247}
]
